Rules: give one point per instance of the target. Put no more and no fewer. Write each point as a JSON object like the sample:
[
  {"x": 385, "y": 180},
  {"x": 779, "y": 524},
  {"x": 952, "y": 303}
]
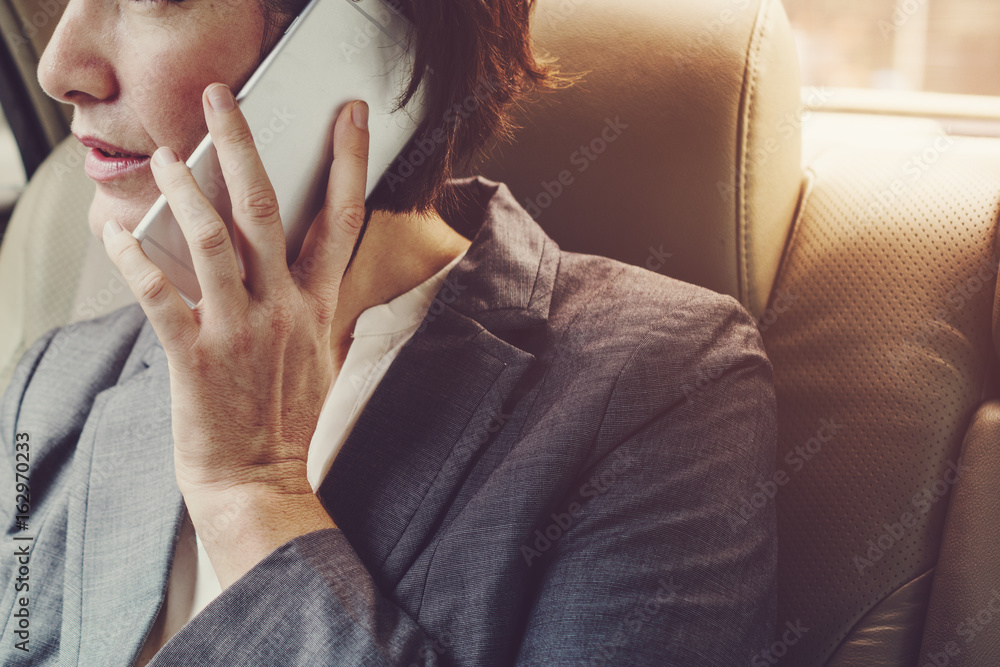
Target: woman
[{"x": 543, "y": 458}]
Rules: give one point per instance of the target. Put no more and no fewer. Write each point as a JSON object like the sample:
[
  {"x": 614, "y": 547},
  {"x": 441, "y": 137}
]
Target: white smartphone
[{"x": 334, "y": 52}]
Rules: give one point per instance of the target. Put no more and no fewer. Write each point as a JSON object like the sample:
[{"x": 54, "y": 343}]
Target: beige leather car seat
[
  {"x": 889, "y": 282},
  {"x": 878, "y": 323},
  {"x": 681, "y": 152}
]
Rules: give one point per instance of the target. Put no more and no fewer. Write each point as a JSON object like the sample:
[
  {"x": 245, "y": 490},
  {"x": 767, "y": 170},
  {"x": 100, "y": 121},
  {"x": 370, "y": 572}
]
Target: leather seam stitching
[{"x": 750, "y": 81}]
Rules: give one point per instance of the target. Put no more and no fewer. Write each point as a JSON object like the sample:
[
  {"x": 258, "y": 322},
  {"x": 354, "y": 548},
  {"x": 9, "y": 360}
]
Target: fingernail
[
  {"x": 359, "y": 114},
  {"x": 111, "y": 227},
  {"x": 164, "y": 156},
  {"x": 221, "y": 98}
]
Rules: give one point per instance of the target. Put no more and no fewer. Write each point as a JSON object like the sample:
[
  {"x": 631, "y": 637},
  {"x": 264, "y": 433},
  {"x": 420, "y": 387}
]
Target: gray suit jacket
[{"x": 561, "y": 467}]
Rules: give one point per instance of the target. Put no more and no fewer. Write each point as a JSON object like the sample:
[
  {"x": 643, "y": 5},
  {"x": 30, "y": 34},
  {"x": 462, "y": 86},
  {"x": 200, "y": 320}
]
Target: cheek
[
  {"x": 165, "y": 60},
  {"x": 166, "y": 99}
]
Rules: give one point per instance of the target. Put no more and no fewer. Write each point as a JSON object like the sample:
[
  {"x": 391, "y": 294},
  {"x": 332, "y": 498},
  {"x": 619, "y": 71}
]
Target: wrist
[{"x": 242, "y": 525}]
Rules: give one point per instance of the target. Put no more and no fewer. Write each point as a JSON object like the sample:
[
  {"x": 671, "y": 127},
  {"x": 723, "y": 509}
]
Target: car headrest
[{"x": 681, "y": 149}]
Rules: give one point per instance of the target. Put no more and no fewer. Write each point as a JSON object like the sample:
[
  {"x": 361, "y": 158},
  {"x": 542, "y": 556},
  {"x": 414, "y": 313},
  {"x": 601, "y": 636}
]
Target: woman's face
[{"x": 135, "y": 71}]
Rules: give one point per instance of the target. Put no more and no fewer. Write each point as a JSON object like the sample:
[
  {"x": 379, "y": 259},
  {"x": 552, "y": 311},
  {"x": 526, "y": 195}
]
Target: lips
[
  {"x": 108, "y": 149},
  {"x": 106, "y": 162},
  {"x": 103, "y": 169}
]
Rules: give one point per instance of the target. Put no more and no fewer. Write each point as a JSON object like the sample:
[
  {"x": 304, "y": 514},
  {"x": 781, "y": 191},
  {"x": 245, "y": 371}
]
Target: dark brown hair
[{"x": 481, "y": 61}]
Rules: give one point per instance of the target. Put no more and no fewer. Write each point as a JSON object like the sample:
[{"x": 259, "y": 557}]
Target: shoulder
[
  {"x": 56, "y": 381},
  {"x": 87, "y": 355},
  {"x": 639, "y": 347},
  {"x": 617, "y": 306},
  {"x": 110, "y": 334}
]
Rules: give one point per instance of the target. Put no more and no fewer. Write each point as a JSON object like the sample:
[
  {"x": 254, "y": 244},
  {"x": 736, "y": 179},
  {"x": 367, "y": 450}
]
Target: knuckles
[
  {"x": 350, "y": 219},
  {"x": 211, "y": 238},
  {"x": 151, "y": 286},
  {"x": 259, "y": 203},
  {"x": 235, "y": 135}
]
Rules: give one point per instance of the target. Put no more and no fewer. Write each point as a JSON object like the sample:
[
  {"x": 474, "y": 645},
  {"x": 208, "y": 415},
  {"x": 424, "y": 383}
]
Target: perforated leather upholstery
[{"x": 887, "y": 333}]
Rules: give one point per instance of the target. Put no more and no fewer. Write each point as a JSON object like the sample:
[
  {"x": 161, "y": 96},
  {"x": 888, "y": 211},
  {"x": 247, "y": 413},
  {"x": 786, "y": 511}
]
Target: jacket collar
[
  {"x": 511, "y": 265},
  {"x": 408, "y": 454}
]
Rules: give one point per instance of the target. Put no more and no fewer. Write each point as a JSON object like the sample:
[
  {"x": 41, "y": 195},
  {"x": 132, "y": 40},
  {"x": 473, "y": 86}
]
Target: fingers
[
  {"x": 328, "y": 245},
  {"x": 170, "y": 316},
  {"x": 255, "y": 206},
  {"x": 212, "y": 250}
]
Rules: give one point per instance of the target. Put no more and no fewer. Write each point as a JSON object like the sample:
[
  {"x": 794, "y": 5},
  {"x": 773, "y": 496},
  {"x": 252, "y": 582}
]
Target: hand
[{"x": 250, "y": 365}]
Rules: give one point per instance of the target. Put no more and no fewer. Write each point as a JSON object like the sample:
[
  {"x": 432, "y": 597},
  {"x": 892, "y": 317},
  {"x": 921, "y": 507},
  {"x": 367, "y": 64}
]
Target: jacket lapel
[
  {"x": 133, "y": 511},
  {"x": 446, "y": 392},
  {"x": 414, "y": 441}
]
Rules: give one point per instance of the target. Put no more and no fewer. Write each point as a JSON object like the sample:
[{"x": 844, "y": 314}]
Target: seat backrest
[{"x": 883, "y": 352}]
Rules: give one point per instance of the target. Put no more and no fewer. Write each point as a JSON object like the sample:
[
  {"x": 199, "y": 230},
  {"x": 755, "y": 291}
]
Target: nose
[{"x": 75, "y": 66}]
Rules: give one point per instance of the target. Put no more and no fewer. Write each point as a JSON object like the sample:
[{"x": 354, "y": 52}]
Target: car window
[{"x": 942, "y": 46}]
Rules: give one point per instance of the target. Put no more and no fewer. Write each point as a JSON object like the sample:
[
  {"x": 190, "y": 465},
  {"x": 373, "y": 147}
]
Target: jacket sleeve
[
  {"x": 662, "y": 568},
  {"x": 309, "y": 602},
  {"x": 671, "y": 554}
]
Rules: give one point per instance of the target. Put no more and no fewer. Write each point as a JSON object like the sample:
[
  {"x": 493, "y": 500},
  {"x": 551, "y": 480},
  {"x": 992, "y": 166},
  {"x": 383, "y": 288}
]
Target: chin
[{"x": 127, "y": 211}]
